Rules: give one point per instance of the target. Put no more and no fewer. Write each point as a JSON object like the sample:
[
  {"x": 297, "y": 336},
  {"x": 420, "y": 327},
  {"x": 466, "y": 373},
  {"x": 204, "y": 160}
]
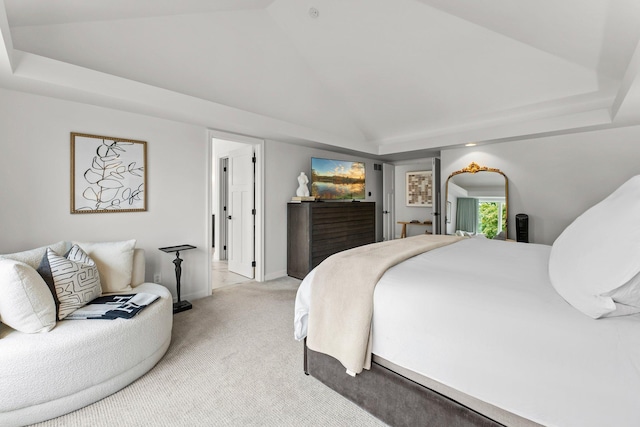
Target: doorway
[{"x": 237, "y": 206}]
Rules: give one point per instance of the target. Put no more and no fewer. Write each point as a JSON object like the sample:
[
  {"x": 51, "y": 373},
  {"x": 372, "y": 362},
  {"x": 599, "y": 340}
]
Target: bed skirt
[{"x": 391, "y": 397}]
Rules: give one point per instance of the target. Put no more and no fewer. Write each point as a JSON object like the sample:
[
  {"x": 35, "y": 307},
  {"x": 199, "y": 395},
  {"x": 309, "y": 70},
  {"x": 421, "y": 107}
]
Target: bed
[{"x": 486, "y": 332}]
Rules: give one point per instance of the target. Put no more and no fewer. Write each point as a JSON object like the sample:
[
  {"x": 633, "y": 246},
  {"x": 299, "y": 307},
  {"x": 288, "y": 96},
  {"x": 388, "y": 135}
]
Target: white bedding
[{"x": 481, "y": 316}]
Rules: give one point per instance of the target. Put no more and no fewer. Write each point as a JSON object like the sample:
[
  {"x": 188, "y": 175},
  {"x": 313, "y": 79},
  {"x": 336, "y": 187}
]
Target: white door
[
  {"x": 388, "y": 201},
  {"x": 240, "y": 217},
  {"x": 224, "y": 208}
]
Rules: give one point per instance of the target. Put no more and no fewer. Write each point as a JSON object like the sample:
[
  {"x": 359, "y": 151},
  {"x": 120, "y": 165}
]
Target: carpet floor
[{"x": 232, "y": 362}]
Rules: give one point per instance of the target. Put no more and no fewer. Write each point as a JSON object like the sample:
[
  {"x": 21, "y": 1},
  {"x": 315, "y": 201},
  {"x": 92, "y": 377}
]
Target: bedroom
[{"x": 561, "y": 156}]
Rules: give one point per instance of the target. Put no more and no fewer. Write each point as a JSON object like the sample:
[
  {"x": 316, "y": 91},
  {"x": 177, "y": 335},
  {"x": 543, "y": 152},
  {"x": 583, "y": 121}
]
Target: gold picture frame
[
  {"x": 419, "y": 186},
  {"x": 108, "y": 174}
]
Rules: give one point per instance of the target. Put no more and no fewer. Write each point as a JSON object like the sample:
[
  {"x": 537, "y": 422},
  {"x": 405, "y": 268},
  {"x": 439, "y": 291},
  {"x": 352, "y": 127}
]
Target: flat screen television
[{"x": 337, "y": 179}]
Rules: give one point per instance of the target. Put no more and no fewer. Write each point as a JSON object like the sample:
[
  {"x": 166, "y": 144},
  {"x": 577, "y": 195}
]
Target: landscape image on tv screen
[{"x": 337, "y": 179}]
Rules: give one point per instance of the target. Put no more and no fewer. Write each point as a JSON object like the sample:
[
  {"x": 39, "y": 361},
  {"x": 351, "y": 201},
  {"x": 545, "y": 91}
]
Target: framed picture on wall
[
  {"x": 419, "y": 189},
  {"x": 108, "y": 174}
]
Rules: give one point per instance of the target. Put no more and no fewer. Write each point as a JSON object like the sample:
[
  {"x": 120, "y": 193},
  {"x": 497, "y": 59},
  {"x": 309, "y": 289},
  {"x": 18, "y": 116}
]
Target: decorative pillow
[
  {"x": 73, "y": 279},
  {"x": 34, "y": 256},
  {"x": 596, "y": 269},
  {"x": 115, "y": 263},
  {"x": 25, "y": 301}
]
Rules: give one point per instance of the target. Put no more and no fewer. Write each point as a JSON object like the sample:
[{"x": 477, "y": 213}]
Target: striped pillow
[{"x": 73, "y": 279}]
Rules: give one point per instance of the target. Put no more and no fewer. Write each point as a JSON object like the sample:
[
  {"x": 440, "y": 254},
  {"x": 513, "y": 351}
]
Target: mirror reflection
[{"x": 476, "y": 202}]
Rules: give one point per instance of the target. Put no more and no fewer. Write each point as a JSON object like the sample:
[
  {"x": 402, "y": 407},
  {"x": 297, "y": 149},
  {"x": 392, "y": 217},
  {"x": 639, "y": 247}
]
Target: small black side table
[{"x": 180, "y": 305}]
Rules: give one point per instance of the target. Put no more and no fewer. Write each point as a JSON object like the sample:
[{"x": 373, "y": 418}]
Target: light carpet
[{"x": 232, "y": 362}]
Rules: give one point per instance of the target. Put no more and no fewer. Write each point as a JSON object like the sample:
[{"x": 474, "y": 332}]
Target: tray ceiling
[{"x": 374, "y": 76}]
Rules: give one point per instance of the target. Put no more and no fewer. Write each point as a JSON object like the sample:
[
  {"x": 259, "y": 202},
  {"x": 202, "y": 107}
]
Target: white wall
[
  {"x": 409, "y": 213},
  {"x": 35, "y": 184},
  {"x": 554, "y": 179},
  {"x": 284, "y": 162}
]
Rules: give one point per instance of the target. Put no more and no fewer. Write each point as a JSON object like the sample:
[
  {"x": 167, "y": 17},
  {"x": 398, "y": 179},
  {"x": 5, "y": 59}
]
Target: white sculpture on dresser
[{"x": 303, "y": 190}]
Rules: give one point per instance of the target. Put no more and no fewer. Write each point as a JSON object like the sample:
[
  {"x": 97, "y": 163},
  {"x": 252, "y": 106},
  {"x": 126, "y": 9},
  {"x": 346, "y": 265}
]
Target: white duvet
[{"x": 481, "y": 316}]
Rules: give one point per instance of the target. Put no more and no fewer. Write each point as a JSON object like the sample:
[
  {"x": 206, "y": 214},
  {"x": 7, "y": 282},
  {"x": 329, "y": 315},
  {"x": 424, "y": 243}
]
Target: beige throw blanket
[{"x": 341, "y": 305}]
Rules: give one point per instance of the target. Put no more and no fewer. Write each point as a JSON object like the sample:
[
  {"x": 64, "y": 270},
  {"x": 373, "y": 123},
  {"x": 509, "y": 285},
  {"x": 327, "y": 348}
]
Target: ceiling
[{"x": 389, "y": 79}]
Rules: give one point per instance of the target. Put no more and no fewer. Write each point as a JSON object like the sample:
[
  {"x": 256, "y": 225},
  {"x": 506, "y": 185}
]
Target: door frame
[
  {"x": 213, "y": 182},
  {"x": 436, "y": 187}
]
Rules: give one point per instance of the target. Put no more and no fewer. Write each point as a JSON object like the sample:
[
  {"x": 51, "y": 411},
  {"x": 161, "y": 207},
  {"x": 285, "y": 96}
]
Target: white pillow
[
  {"x": 594, "y": 263},
  {"x": 25, "y": 301},
  {"x": 114, "y": 261},
  {"x": 73, "y": 279},
  {"x": 33, "y": 257}
]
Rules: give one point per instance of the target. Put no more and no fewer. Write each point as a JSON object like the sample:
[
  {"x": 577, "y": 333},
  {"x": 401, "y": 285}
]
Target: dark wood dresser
[{"x": 316, "y": 230}]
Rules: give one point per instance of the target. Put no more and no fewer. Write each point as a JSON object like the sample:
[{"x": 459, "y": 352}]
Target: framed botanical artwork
[
  {"x": 419, "y": 189},
  {"x": 108, "y": 174}
]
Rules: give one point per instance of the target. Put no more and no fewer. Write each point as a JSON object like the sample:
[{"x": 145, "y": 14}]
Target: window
[{"x": 492, "y": 216}]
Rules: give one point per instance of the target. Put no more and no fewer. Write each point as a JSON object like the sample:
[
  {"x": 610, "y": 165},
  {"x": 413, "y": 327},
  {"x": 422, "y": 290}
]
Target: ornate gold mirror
[{"x": 476, "y": 202}]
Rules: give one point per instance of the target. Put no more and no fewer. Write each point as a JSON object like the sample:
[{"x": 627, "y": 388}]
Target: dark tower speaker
[{"x": 522, "y": 228}]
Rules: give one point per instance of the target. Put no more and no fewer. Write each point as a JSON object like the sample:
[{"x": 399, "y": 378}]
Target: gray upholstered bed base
[{"x": 391, "y": 397}]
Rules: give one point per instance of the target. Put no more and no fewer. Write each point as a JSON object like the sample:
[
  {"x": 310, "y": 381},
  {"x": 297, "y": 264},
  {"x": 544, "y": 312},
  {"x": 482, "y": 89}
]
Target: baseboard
[
  {"x": 275, "y": 275},
  {"x": 192, "y": 296}
]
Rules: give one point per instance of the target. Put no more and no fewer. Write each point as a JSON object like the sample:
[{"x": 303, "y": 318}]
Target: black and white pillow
[{"x": 73, "y": 279}]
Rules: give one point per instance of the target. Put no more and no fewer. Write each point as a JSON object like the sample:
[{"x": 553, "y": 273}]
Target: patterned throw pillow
[{"x": 73, "y": 279}]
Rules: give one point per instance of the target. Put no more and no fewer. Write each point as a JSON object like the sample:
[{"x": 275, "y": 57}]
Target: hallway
[{"x": 221, "y": 276}]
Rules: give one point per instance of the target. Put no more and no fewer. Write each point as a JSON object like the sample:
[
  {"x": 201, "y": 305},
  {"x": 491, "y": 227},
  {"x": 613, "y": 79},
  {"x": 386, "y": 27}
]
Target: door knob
[{"x": 229, "y": 217}]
